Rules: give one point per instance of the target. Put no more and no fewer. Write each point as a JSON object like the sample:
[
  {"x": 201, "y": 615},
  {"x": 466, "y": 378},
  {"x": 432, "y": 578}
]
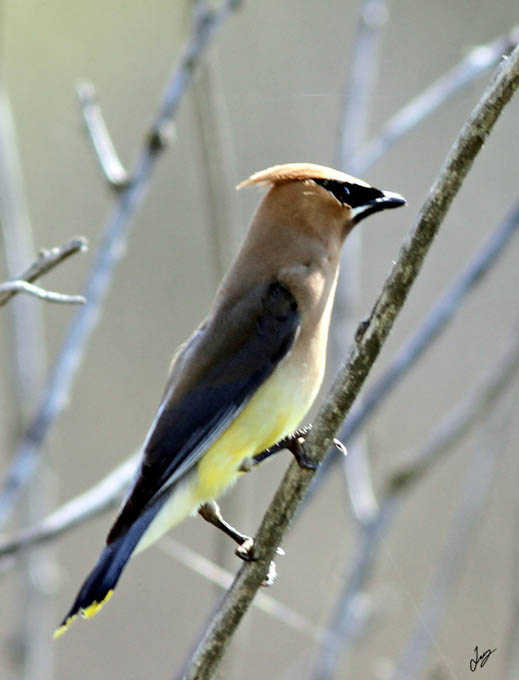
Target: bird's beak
[{"x": 386, "y": 200}]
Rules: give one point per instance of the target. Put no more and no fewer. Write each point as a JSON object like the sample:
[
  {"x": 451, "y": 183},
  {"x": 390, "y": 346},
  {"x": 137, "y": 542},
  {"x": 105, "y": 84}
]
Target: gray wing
[{"x": 214, "y": 377}]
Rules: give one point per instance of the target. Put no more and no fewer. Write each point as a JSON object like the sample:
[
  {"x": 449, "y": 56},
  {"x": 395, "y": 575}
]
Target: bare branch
[
  {"x": 47, "y": 260},
  {"x": 368, "y": 342},
  {"x": 449, "y": 431},
  {"x": 110, "y": 251},
  {"x": 435, "y": 323},
  {"x": 109, "y": 162},
  {"x": 479, "y": 60},
  {"x": 48, "y": 295}
]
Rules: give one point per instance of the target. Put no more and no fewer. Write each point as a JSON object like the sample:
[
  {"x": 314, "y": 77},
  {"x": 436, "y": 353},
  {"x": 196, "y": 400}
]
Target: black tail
[{"x": 100, "y": 583}]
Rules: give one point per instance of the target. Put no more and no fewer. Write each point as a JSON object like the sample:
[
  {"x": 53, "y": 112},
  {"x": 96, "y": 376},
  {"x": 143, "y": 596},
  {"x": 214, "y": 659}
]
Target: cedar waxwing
[{"x": 249, "y": 373}]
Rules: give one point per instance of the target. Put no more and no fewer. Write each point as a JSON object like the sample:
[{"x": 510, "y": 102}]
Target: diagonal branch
[
  {"x": 100, "y": 498},
  {"x": 482, "y": 399},
  {"x": 435, "y": 323},
  {"x": 109, "y": 254},
  {"x": 479, "y": 60},
  {"x": 369, "y": 339}
]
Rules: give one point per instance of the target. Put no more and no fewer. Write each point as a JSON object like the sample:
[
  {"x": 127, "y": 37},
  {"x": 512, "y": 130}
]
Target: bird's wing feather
[{"x": 213, "y": 378}]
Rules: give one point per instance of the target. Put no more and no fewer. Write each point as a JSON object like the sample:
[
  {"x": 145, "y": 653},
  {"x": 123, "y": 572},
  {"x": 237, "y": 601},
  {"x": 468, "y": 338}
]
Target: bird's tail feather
[{"x": 99, "y": 586}]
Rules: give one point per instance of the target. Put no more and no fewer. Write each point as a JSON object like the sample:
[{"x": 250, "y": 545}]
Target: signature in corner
[{"x": 480, "y": 659}]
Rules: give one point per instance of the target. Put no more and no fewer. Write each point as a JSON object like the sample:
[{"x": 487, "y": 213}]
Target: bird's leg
[
  {"x": 293, "y": 442},
  {"x": 211, "y": 512}
]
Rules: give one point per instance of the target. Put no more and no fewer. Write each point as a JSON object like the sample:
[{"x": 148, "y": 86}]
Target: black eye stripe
[{"x": 353, "y": 195}]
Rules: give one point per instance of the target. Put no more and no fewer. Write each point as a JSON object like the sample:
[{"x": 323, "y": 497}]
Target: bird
[{"x": 239, "y": 388}]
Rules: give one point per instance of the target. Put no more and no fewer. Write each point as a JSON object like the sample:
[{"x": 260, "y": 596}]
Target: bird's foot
[{"x": 295, "y": 443}]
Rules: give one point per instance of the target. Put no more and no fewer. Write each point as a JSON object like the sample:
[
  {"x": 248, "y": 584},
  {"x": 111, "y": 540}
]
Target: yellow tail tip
[
  {"x": 64, "y": 627},
  {"x": 86, "y": 613},
  {"x": 95, "y": 607}
]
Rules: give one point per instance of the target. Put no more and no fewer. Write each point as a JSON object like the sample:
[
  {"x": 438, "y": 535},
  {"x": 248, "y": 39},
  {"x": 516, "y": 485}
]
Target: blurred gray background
[{"x": 278, "y": 70}]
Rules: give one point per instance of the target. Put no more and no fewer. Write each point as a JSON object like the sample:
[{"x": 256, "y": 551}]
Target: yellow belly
[{"x": 275, "y": 411}]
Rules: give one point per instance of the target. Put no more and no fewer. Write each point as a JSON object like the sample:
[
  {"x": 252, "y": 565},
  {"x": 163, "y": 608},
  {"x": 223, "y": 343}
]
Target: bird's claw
[
  {"x": 245, "y": 551},
  {"x": 271, "y": 576},
  {"x": 340, "y": 446}
]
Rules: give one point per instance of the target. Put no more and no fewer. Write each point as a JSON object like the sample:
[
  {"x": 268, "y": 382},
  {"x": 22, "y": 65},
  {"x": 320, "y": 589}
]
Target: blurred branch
[
  {"x": 459, "y": 539},
  {"x": 478, "y": 60},
  {"x": 109, "y": 253},
  {"x": 47, "y": 260},
  {"x": 27, "y": 366},
  {"x": 100, "y": 498},
  {"x": 218, "y": 165},
  {"x": 217, "y": 171},
  {"x": 357, "y": 101},
  {"x": 455, "y": 425},
  {"x": 436, "y": 322},
  {"x": 369, "y": 339},
  {"x": 96, "y": 127},
  {"x": 356, "y": 111},
  {"x": 47, "y": 295},
  {"x": 223, "y": 579},
  {"x": 360, "y": 82}
]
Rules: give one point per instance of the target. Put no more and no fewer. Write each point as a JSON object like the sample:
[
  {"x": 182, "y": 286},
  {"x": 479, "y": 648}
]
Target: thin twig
[
  {"x": 479, "y": 60},
  {"x": 47, "y": 260},
  {"x": 435, "y": 323},
  {"x": 47, "y": 295},
  {"x": 449, "y": 431},
  {"x": 111, "y": 166},
  {"x": 459, "y": 540},
  {"x": 368, "y": 342},
  {"x": 109, "y": 253}
]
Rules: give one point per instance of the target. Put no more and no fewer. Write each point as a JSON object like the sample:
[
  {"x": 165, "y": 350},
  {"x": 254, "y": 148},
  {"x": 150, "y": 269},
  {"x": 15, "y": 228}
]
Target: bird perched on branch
[{"x": 249, "y": 373}]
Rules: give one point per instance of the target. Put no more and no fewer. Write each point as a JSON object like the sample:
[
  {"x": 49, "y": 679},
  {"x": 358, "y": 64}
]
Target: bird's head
[{"x": 321, "y": 196}]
